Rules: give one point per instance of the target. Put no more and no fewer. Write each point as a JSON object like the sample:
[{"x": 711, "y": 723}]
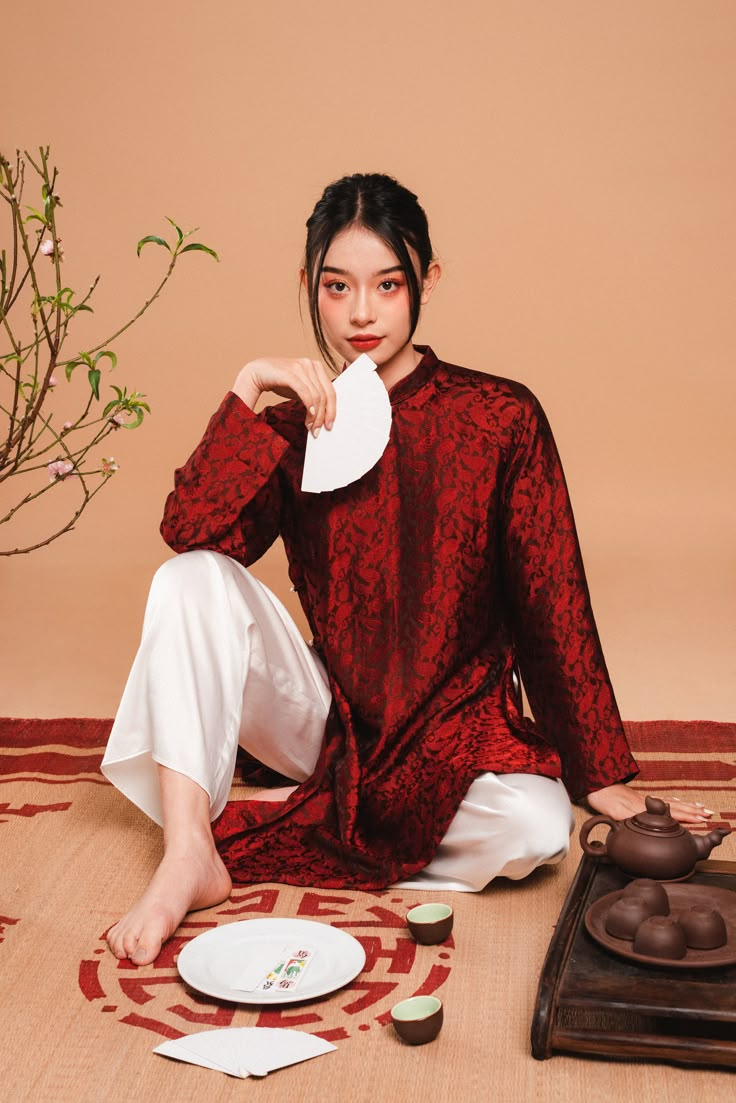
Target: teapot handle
[{"x": 595, "y": 848}]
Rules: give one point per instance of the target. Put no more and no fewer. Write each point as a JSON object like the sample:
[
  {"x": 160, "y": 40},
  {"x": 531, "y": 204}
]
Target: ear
[{"x": 429, "y": 282}]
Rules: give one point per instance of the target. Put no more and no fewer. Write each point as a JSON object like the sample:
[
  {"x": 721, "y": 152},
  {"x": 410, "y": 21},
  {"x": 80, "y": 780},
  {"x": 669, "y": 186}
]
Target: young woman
[{"x": 426, "y": 583}]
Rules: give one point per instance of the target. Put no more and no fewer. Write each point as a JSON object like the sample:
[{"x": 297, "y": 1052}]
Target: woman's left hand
[{"x": 619, "y": 802}]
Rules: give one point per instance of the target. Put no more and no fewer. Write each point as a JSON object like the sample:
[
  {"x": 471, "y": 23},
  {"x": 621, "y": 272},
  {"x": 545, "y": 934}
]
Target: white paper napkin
[
  {"x": 245, "y": 1051},
  {"x": 359, "y": 436}
]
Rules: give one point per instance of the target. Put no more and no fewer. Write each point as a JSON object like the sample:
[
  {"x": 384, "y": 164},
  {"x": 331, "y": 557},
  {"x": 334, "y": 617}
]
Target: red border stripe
[
  {"x": 681, "y": 736},
  {"x": 72, "y": 732}
]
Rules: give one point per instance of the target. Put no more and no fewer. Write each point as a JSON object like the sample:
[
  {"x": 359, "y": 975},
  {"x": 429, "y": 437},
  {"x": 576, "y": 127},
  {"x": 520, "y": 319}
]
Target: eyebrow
[{"x": 381, "y": 272}]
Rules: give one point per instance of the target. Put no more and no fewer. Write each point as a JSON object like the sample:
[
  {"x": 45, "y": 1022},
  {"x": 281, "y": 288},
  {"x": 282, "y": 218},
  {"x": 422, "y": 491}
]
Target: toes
[
  {"x": 144, "y": 955},
  {"x": 115, "y": 941},
  {"x": 148, "y": 947},
  {"x": 131, "y": 942}
]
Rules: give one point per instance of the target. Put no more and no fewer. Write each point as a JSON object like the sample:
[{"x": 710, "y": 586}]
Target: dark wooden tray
[{"x": 591, "y": 1001}]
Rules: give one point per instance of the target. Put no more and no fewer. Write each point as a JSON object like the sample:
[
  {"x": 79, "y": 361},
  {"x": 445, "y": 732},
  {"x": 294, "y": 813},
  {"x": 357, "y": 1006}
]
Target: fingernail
[
  {"x": 139, "y": 953},
  {"x": 315, "y": 432},
  {"x": 708, "y": 811},
  {"x": 328, "y": 425},
  {"x": 312, "y": 410}
]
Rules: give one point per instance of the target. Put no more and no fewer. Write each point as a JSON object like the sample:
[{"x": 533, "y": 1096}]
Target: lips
[{"x": 365, "y": 341}]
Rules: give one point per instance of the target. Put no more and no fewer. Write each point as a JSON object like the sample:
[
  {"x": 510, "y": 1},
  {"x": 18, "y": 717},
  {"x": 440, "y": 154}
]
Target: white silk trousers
[{"x": 221, "y": 664}]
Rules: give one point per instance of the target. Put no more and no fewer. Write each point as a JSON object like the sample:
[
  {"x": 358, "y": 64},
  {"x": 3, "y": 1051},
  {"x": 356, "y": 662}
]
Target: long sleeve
[
  {"x": 555, "y": 634},
  {"x": 227, "y": 497}
]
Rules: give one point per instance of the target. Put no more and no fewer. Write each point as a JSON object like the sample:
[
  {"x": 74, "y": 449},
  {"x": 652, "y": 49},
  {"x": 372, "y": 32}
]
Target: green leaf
[
  {"x": 35, "y": 216},
  {"x": 117, "y": 390},
  {"x": 133, "y": 424},
  {"x": 94, "y": 375},
  {"x": 83, "y": 307},
  {"x": 155, "y": 240},
  {"x": 179, "y": 232},
  {"x": 70, "y": 368},
  {"x": 110, "y": 407},
  {"x": 202, "y": 248},
  {"x": 110, "y": 355}
]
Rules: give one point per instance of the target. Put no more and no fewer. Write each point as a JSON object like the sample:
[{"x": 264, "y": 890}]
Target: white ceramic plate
[{"x": 213, "y": 961}]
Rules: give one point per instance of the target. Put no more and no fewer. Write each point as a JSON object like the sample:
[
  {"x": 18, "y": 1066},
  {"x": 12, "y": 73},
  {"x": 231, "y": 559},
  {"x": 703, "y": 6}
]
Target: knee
[
  {"x": 184, "y": 578},
  {"x": 540, "y": 827}
]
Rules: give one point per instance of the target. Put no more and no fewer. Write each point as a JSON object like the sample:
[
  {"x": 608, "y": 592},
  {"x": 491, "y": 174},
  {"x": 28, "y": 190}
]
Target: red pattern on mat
[
  {"x": 50, "y": 762},
  {"x": 6, "y": 921},
  {"x": 45, "y": 760},
  {"x": 68, "y": 732},
  {"x": 27, "y": 811},
  {"x": 682, "y": 736},
  {"x": 395, "y": 967}
]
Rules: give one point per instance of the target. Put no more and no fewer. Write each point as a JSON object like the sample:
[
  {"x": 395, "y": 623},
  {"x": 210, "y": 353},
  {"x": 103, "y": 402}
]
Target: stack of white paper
[
  {"x": 245, "y": 1051},
  {"x": 359, "y": 436}
]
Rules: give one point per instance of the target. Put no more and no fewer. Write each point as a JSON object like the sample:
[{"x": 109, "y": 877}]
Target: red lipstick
[{"x": 363, "y": 342}]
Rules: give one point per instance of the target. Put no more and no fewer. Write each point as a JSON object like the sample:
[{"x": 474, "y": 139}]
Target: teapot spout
[{"x": 705, "y": 843}]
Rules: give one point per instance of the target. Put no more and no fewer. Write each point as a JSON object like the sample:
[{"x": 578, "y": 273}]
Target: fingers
[
  {"x": 319, "y": 396},
  {"x": 301, "y": 378},
  {"x": 688, "y": 811}
]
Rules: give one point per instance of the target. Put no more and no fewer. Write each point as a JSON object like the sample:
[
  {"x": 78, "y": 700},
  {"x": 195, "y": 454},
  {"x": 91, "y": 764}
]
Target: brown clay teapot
[{"x": 652, "y": 844}]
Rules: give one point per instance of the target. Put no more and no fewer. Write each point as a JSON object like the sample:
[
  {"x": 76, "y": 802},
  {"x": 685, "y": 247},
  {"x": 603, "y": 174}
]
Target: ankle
[{"x": 189, "y": 841}]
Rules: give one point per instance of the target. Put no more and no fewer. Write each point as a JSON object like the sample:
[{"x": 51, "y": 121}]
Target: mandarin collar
[{"x": 411, "y": 383}]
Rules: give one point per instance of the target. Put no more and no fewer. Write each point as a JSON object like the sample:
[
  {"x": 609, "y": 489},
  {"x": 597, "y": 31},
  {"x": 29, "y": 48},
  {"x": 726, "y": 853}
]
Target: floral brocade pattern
[{"x": 426, "y": 582}]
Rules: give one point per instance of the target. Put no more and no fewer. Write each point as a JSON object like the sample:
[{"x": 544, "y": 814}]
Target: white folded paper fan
[
  {"x": 245, "y": 1051},
  {"x": 359, "y": 436}
]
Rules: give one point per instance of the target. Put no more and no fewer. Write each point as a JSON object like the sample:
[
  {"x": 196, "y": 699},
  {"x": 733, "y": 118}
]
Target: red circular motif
[{"x": 155, "y": 997}]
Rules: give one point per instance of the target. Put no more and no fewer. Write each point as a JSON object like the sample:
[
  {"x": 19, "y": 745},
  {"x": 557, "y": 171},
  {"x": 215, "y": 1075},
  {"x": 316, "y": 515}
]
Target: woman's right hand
[{"x": 303, "y": 379}]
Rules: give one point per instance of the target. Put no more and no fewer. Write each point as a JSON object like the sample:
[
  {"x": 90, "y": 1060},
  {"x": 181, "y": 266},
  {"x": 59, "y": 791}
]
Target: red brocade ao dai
[{"x": 425, "y": 583}]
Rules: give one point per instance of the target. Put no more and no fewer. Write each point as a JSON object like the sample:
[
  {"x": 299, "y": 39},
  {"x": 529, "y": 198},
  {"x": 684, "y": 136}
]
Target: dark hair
[{"x": 378, "y": 203}]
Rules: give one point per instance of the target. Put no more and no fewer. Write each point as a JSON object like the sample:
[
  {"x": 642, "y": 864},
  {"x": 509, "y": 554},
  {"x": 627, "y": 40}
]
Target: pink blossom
[
  {"x": 50, "y": 248},
  {"x": 118, "y": 419},
  {"x": 67, "y": 424},
  {"x": 109, "y": 467},
  {"x": 53, "y": 381},
  {"x": 60, "y": 469}
]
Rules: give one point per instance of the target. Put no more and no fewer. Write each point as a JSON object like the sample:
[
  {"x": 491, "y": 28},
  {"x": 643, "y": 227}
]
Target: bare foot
[{"x": 191, "y": 875}]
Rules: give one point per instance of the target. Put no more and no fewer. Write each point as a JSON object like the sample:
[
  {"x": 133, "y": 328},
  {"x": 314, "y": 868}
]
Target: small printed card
[
  {"x": 289, "y": 966},
  {"x": 285, "y": 975}
]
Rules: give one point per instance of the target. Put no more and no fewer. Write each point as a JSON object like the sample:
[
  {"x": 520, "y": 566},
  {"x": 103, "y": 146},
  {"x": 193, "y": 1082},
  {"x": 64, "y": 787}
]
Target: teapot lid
[{"x": 657, "y": 818}]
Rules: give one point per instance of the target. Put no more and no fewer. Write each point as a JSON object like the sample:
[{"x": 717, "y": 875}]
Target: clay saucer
[{"x": 681, "y": 897}]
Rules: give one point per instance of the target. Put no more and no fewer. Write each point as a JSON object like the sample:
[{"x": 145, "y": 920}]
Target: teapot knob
[{"x": 656, "y": 806}]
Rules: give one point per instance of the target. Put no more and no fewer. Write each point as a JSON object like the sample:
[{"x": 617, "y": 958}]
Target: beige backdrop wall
[{"x": 577, "y": 162}]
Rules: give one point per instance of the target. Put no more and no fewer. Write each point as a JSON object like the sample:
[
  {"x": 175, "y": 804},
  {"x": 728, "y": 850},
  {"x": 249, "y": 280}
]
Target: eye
[
  {"x": 338, "y": 286},
  {"x": 389, "y": 285}
]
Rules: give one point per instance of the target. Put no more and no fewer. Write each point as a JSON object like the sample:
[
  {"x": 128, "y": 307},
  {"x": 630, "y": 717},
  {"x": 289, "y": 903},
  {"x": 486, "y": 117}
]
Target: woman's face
[{"x": 364, "y": 298}]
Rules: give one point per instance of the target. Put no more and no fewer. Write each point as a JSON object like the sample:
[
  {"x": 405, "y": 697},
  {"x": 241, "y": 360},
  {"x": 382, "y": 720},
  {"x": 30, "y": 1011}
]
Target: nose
[{"x": 363, "y": 311}]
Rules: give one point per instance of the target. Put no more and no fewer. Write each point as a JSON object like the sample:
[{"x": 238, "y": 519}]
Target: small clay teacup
[
  {"x": 704, "y": 927},
  {"x": 650, "y": 890},
  {"x": 430, "y": 923},
  {"x": 418, "y": 1019},
  {"x": 626, "y": 914},
  {"x": 660, "y": 936}
]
